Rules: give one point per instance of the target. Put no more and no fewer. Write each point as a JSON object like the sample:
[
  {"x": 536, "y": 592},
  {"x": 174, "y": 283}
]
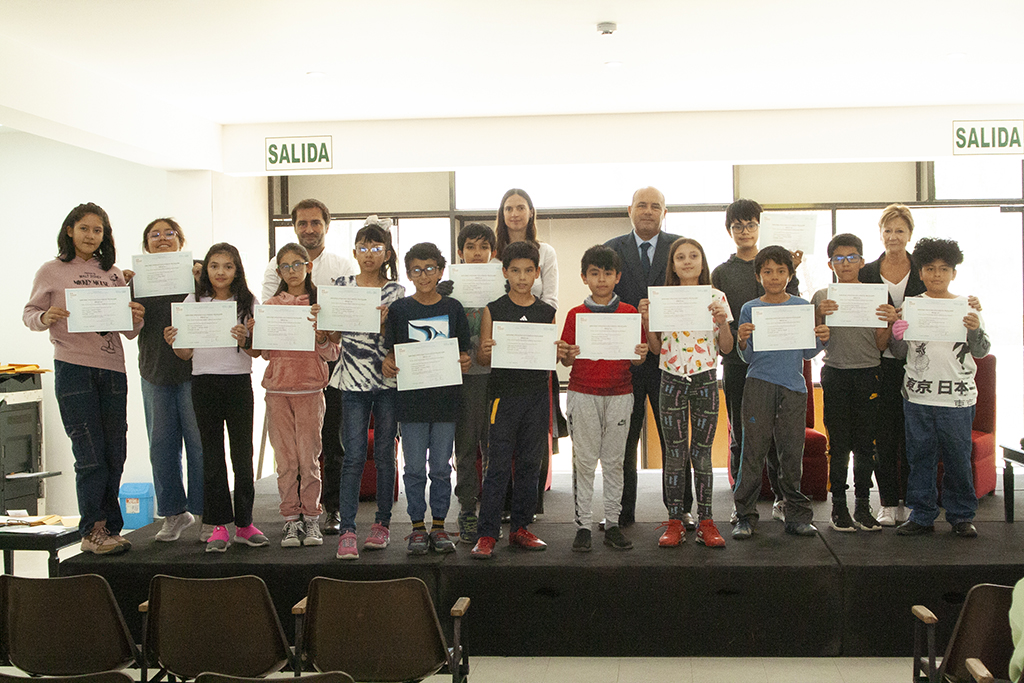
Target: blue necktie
[{"x": 645, "y": 258}]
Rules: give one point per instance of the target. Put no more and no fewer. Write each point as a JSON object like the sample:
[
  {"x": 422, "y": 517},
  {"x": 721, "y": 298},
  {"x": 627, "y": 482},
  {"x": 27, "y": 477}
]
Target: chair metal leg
[
  {"x": 297, "y": 655},
  {"x": 1008, "y": 491}
]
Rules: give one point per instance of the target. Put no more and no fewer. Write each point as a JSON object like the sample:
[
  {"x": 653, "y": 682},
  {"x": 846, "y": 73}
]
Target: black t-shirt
[
  {"x": 505, "y": 382},
  {"x": 157, "y": 362},
  {"x": 409, "y": 320}
]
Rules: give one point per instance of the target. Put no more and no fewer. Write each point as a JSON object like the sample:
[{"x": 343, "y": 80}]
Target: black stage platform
[{"x": 775, "y": 595}]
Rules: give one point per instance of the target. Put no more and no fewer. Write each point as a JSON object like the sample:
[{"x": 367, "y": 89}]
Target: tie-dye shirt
[
  {"x": 362, "y": 353},
  {"x": 688, "y": 352}
]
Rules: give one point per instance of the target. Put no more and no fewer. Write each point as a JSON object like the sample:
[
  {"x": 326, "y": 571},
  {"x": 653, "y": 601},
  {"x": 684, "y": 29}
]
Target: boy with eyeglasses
[
  {"x": 737, "y": 279},
  {"x": 427, "y": 416},
  {"x": 850, "y": 386}
]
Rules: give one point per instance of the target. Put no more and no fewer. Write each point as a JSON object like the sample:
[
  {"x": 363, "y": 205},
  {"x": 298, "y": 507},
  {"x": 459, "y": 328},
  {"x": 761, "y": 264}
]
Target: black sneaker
[
  {"x": 581, "y": 544},
  {"x": 862, "y": 517},
  {"x": 802, "y": 528},
  {"x": 965, "y": 530},
  {"x": 841, "y": 520},
  {"x": 911, "y": 528},
  {"x": 743, "y": 530},
  {"x": 613, "y": 538}
]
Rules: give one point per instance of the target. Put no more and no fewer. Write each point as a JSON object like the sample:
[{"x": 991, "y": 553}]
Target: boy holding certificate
[
  {"x": 427, "y": 415},
  {"x": 599, "y": 404},
  {"x": 939, "y": 394},
  {"x": 520, "y": 409},
  {"x": 850, "y": 386},
  {"x": 774, "y": 396}
]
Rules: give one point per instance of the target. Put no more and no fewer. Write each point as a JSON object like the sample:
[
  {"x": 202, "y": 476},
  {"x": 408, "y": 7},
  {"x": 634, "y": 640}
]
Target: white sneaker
[
  {"x": 205, "y": 532},
  {"x": 174, "y": 525},
  {"x": 290, "y": 537},
  {"x": 902, "y": 513},
  {"x": 887, "y": 515},
  {"x": 734, "y": 518},
  {"x": 313, "y": 534},
  {"x": 779, "y": 510}
]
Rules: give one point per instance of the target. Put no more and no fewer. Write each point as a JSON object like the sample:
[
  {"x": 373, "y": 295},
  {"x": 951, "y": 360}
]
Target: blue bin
[{"x": 136, "y": 505}]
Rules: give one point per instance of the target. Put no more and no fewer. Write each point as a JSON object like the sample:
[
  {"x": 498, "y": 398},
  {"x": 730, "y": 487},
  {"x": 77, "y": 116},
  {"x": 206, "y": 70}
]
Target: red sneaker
[
  {"x": 526, "y": 540},
  {"x": 484, "y": 548},
  {"x": 674, "y": 533},
  {"x": 707, "y": 533}
]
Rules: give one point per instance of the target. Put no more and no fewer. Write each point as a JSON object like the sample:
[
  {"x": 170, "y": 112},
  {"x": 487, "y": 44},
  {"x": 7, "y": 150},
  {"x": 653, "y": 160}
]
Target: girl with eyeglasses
[
  {"x": 366, "y": 392},
  {"x": 295, "y": 382}
]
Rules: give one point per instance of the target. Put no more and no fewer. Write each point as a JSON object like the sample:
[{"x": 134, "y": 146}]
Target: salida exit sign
[
  {"x": 305, "y": 153},
  {"x": 988, "y": 137}
]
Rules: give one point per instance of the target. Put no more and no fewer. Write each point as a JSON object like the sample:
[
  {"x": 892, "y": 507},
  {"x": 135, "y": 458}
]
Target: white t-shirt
[
  {"x": 327, "y": 267},
  {"x": 225, "y": 361}
]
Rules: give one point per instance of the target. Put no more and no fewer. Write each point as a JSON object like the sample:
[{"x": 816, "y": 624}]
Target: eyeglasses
[
  {"x": 289, "y": 267},
  {"x": 849, "y": 258},
  {"x": 429, "y": 270},
  {"x": 744, "y": 227},
  {"x": 373, "y": 250},
  {"x": 166, "y": 234}
]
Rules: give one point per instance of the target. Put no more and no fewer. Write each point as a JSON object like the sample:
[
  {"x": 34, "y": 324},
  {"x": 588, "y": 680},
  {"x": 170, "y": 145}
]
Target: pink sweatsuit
[{"x": 294, "y": 381}]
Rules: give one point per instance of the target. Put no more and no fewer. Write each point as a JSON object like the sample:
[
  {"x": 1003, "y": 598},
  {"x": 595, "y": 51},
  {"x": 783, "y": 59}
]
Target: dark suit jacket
[
  {"x": 872, "y": 272},
  {"x": 633, "y": 286}
]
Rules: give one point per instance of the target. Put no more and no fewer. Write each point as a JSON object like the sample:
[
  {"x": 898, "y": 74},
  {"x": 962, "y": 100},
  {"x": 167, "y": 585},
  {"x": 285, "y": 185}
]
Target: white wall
[{"x": 40, "y": 182}]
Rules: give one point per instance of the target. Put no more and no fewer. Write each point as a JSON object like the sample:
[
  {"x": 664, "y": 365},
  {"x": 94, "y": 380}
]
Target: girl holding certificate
[
  {"x": 688, "y": 398},
  {"x": 89, "y": 375},
  {"x": 222, "y": 394},
  {"x": 295, "y": 382},
  {"x": 365, "y": 391}
]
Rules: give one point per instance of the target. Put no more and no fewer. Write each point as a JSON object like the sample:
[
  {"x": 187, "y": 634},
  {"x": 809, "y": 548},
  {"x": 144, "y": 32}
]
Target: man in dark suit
[{"x": 644, "y": 255}]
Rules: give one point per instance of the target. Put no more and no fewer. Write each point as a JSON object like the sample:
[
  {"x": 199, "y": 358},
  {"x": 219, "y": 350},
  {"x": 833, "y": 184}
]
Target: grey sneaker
[
  {"x": 613, "y": 538},
  {"x": 582, "y": 542},
  {"x": 290, "y": 534},
  {"x": 862, "y": 517},
  {"x": 779, "y": 511},
  {"x": 313, "y": 535},
  {"x": 419, "y": 542},
  {"x": 250, "y": 535},
  {"x": 467, "y": 528},
  {"x": 174, "y": 525},
  {"x": 802, "y": 528},
  {"x": 743, "y": 530},
  {"x": 218, "y": 541},
  {"x": 205, "y": 532},
  {"x": 440, "y": 541},
  {"x": 689, "y": 522}
]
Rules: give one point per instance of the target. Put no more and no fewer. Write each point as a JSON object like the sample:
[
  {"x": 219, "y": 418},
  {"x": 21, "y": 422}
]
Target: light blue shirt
[{"x": 653, "y": 242}]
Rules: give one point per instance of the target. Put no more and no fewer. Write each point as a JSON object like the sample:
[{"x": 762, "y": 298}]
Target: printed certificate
[
  {"x": 783, "y": 328},
  {"x": 608, "y": 336},
  {"x": 423, "y": 365},
  {"x": 858, "y": 304},
  {"x": 348, "y": 309},
  {"x": 205, "y": 325},
  {"x": 477, "y": 284},
  {"x": 160, "y": 274},
  {"x": 99, "y": 309},
  {"x": 935, "y": 319},
  {"x": 524, "y": 346},
  {"x": 283, "y": 328},
  {"x": 680, "y": 308},
  {"x": 794, "y": 231}
]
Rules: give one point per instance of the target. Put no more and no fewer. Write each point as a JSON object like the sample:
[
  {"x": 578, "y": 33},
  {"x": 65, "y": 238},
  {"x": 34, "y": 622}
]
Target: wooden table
[
  {"x": 1012, "y": 455},
  {"x": 51, "y": 543}
]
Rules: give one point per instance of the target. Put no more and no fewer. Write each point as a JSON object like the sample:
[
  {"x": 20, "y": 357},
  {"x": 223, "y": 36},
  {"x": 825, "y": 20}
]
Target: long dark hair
[
  {"x": 375, "y": 233},
  {"x": 300, "y": 251},
  {"x": 671, "y": 278},
  {"x": 66, "y": 245},
  {"x": 501, "y": 229},
  {"x": 243, "y": 297}
]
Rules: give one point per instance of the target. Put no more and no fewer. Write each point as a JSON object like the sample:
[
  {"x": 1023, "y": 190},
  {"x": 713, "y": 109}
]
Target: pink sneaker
[
  {"x": 378, "y": 539},
  {"x": 250, "y": 535},
  {"x": 347, "y": 549},
  {"x": 218, "y": 541}
]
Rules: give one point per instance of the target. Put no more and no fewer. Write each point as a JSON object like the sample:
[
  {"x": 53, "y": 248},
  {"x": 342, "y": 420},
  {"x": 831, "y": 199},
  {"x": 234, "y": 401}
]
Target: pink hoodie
[{"x": 297, "y": 372}]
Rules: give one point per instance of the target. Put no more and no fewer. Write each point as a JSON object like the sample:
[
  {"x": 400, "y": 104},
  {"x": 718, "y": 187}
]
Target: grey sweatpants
[
  {"x": 598, "y": 426},
  {"x": 772, "y": 410}
]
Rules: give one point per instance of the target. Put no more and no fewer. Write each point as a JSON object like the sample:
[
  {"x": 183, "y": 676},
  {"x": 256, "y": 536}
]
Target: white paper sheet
[
  {"x": 283, "y": 328},
  {"x": 348, "y": 309},
  {"x": 794, "y": 231},
  {"x": 204, "y": 325},
  {"x": 858, "y": 304},
  {"x": 783, "y": 328},
  {"x": 99, "y": 309},
  {"x": 162, "y": 274},
  {"x": 935, "y": 319},
  {"x": 680, "y": 308},
  {"x": 524, "y": 346},
  {"x": 422, "y": 365},
  {"x": 477, "y": 284},
  {"x": 608, "y": 336}
]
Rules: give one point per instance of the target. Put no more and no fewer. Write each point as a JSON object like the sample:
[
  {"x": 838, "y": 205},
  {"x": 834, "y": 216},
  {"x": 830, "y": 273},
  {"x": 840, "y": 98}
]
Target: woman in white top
[{"x": 517, "y": 222}]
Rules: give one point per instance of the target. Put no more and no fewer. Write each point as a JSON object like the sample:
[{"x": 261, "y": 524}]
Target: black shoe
[
  {"x": 862, "y": 517},
  {"x": 332, "y": 524},
  {"x": 689, "y": 523},
  {"x": 613, "y": 538},
  {"x": 802, "y": 528},
  {"x": 964, "y": 530},
  {"x": 911, "y": 528},
  {"x": 626, "y": 521},
  {"x": 841, "y": 520},
  {"x": 743, "y": 530},
  {"x": 581, "y": 544}
]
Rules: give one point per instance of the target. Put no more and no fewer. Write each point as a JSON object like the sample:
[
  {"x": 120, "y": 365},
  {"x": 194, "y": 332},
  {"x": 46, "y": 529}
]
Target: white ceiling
[{"x": 245, "y": 61}]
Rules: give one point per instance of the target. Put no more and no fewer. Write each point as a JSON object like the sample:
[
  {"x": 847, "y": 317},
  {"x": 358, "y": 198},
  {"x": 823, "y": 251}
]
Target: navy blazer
[{"x": 633, "y": 286}]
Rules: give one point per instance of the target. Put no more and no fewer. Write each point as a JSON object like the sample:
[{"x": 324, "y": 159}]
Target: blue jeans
[
  {"x": 94, "y": 409},
  {"x": 937, "y": 433},
  {"x": 356, "y": 407},
  {"x": 170, "y": 419},
  {"x": 419, "y": 439}
]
